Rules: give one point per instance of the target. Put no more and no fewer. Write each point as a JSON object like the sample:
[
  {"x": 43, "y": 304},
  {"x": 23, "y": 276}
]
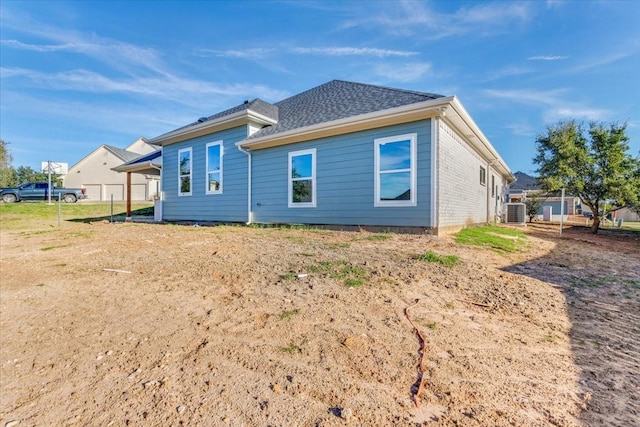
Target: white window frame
[
  {"x": 312, "y": 203},
  {"x": 483, "y": 176},
  {"x": 413, "y": 201},
  {"x": 207, "y": 171},
  {"x": 180, "y": 193}
]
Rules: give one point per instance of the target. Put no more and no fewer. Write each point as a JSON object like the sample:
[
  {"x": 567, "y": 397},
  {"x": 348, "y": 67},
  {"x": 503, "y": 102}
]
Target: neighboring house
[
  {"x": 95, "y": 173},
  {"x": 527, "y": 186},
  {"x": 339, "y": 154}
]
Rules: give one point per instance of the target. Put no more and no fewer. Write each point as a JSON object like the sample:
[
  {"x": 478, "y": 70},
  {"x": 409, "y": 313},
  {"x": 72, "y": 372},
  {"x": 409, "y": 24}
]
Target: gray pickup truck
[{"x": 40, "y": 191}]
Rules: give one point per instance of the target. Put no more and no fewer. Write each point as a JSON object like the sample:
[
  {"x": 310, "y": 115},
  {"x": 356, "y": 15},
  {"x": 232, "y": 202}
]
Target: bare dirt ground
[{"x": 140, "y": 324}]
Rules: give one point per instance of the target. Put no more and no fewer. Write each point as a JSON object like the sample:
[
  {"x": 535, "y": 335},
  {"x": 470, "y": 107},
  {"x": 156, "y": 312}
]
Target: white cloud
[
  {"x": 546, "y": 58},
  {"x": 15, "y": 44},
  {"x": 409, "y": 17},
  {"x": 252, "y": 53},
  {"x": 600, "y": 61},
  {"x": 576, "y": 112},
  {"x": 408, "y": 72},
  {"x": 351, "y": 51},
  {"x": 521, "y": 129},
  {"x": 554, "y": 103},
  {"x": 527, "y": 96},
  {"x": 186, "y": 91},
  {"x": 506, "y": 72},
  {"x": 263, "y": 53}
]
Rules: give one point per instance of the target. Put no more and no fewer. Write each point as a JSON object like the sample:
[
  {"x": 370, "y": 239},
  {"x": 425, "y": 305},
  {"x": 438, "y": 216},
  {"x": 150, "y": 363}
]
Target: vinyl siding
[
  {"x": 231, "y": 205},
  {"x": 462, "y": 200},
  {"x": 344, "y": 181}
]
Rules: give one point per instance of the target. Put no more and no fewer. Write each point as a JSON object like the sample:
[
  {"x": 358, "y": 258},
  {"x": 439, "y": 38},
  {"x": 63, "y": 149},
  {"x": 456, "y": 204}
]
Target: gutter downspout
[
  {"x": 249, "y": 212},
  {"x": 435, "y": 174}
]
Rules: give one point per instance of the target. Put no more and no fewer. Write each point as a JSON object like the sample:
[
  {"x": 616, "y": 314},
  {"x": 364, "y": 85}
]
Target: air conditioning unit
[{"x": 515, "y": 213}]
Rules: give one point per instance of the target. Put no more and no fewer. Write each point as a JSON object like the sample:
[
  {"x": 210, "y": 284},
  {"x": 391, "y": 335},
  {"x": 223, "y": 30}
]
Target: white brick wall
[{"x": 462, "y": 200}]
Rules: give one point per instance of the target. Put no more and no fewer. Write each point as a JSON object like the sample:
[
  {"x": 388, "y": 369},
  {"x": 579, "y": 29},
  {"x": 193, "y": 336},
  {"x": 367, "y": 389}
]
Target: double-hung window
[
  {"x": 483, "y": 176},
  {"x": 184, "y": 172},
  {"x": 214, "y": 168},
  {"x": 395, "y": 171},
  {"x": 302, "y": 179}
]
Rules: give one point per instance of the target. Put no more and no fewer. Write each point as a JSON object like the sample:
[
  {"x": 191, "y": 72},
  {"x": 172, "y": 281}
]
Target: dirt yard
[{"x": 164, "y": 325}]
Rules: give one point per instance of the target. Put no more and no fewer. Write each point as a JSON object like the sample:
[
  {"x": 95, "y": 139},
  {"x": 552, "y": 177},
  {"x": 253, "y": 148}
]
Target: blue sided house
[{"x": 340, "y": 154}]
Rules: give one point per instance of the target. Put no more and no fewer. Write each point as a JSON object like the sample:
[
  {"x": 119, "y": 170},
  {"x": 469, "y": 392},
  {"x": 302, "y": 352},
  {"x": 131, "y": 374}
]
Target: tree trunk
[{"x": 596, "y": 223}]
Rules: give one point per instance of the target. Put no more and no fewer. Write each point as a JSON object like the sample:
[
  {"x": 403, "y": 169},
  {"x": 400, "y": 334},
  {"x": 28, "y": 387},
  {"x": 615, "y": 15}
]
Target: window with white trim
[
  {"x": 213, "y": 180},
  {"x": 184, "y": 172},
  {"x": 302, "y": 179},
  {"x": 483, "y": 176},
  {"x": 395, "y": 170}
]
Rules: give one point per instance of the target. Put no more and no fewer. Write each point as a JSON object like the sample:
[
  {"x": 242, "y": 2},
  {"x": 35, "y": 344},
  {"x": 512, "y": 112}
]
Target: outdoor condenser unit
[{"x": 515, "y": 213}]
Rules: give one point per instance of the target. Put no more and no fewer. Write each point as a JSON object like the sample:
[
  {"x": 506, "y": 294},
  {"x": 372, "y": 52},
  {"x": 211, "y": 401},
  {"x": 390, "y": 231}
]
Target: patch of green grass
[
  {"x": 30, "y": 215},
  {"x": 324, "y": 267},
  {"x": 598, "y": 282},
  {"x": 354, "y": 282},
  {"x": 379, "y": 237},
  {"x": 432, "y": 325},
  {"x": 446, "y": 260},
  {"x": 498, "y": 239},
  {"x": 341, "y": 245},
  {"x": 49, "y": 248},
  {"x": 79, "y": 234},
  {"x": 549, "y": 337},
  {"x": 351, "y": 275},
  {"x": 288, "y": 314},
  {"x": 295, "y": 239},
  {"x": 288, "y": 276},
  {"x": 626, "y": 226},
  {"x": 291, "y": 348}
]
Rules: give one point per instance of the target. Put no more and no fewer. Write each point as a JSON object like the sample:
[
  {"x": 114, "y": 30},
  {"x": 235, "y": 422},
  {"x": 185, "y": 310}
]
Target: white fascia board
[
  {"x": 388, "y": 117},
  {"x": 211, "y": 126},
  {"x": 472, "y": 133}
]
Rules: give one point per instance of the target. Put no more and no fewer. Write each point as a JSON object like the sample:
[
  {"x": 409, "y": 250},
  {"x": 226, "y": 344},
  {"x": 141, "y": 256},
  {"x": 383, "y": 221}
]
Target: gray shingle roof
[
  {"x": 336, "y": 100},
  {"x": 257, "y": 105},
  {"x": 123, "y": 154}
]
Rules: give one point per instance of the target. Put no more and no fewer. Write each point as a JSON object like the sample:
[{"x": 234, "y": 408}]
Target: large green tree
[{"x": 593, "y": 165}]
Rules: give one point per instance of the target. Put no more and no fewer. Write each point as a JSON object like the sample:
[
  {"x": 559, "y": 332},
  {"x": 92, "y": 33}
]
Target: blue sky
[{"x": 77, "y": 74}]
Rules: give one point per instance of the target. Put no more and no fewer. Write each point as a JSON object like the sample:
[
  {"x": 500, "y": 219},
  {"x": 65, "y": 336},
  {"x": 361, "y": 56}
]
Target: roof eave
[
  {"x": 462, "y": 121},
  {"x": 147, "y": 168},
  {"x": 211, "y": 126}
]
